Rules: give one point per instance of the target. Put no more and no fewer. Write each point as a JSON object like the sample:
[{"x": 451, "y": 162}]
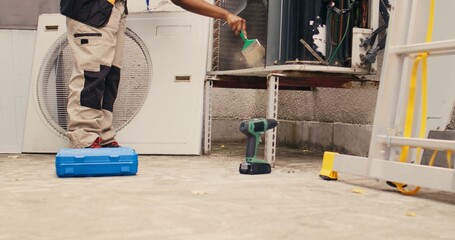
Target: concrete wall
[
  {"x": 326, "y": 119},
  {"x": 323, "y": 105}
]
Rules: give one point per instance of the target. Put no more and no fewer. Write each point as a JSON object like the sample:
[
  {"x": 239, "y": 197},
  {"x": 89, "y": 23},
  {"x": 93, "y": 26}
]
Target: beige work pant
[{"x": 94, "y": 82}]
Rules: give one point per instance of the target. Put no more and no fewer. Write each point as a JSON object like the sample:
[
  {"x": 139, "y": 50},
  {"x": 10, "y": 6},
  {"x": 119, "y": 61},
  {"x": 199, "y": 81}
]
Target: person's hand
[{"x": 237, "y": 24}]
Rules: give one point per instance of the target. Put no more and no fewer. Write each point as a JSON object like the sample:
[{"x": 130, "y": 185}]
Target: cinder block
[
  {"x": 289, "y": 133},
  {"x": 352, "y": 139},
  {"x": 226, "y": 130},
  {"x": 315, "y": 135},
  {"x": 319, "y": 135}
]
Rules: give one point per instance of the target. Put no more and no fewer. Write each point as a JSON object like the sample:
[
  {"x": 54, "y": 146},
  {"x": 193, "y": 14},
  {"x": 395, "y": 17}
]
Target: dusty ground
[{"x": 204, "y": 197}]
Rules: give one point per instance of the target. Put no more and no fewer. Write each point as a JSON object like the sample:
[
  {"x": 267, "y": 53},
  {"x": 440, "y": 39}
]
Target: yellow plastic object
[
  {"x": 111, "y": 1},
  {"x": 433, "y": 157},
  {"x": 405, "y": 191},
  {"x": 327, "y": 172}
]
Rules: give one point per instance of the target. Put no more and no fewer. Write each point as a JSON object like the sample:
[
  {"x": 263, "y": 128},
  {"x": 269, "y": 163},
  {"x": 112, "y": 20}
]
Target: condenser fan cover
[{"x": 54, "y": 76}]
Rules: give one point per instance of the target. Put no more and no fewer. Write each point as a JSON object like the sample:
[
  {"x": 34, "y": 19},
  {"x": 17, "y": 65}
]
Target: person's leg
[
  {"x": 112, "y": 83},
  {"x": 93, "y": 51}
]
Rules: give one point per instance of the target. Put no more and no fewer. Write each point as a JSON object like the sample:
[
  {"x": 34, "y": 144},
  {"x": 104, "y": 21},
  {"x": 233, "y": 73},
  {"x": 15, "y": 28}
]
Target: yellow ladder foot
[{"x": 327, "y": 172}]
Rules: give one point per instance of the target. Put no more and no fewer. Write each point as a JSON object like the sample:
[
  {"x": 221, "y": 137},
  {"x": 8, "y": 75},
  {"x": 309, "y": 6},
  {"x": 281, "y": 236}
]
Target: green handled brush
[{"x": 253, "y": 51}]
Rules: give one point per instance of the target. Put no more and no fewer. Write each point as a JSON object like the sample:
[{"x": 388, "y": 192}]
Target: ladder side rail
[{"x": 391, "y": 87}]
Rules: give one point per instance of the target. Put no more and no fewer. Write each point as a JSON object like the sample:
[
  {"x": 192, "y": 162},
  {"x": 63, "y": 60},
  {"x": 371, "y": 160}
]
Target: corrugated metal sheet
[{"x": 229, "y": 49}]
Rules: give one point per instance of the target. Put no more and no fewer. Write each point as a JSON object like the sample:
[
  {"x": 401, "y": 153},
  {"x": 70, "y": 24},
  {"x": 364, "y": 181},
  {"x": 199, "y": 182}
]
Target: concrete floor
[{"x": 204, "y": 197}]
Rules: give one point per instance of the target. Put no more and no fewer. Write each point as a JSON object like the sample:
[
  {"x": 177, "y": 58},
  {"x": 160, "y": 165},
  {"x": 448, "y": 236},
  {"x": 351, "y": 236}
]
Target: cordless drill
[{"x": 253, "y": 129}]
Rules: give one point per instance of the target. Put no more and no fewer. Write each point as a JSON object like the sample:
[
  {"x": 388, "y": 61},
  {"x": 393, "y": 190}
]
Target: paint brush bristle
[{"x": 253, "y": 52}]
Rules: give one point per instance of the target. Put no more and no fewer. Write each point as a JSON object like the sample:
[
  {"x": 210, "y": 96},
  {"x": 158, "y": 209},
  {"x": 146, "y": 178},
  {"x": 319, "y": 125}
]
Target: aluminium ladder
[{"x": 390, "y": 141}]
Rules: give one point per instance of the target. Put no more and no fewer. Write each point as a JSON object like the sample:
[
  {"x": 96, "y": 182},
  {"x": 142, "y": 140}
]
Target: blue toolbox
[{"x": 90, "y": 162}]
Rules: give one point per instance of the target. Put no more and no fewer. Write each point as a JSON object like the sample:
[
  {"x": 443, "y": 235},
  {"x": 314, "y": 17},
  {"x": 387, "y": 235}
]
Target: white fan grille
[{"x": 55, "y": 73}]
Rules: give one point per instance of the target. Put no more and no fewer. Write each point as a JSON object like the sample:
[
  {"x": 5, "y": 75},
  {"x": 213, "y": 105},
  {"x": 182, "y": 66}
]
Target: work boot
[
  {"x": 96, "y": 143},
  {"x": 113, "y": 144}
]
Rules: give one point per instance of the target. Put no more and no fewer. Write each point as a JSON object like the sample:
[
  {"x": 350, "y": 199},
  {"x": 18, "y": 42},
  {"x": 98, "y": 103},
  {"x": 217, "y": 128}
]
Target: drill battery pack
[
  {"x": 255, "y": 168},
  {"x": 93, "y": 162}
]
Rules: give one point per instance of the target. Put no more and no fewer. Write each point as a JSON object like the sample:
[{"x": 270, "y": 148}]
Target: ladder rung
[
  {"x": 434, "y": 144},
  {"x": 439, "y": 47}
]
